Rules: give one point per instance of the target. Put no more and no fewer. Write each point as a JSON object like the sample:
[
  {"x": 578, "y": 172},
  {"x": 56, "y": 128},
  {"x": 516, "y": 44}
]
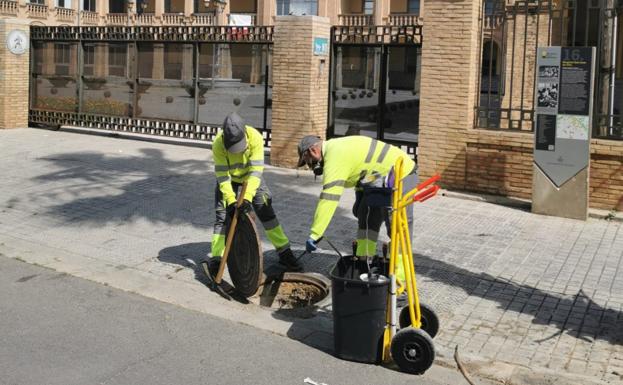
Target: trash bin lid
[{"x": 245, "y": 260}]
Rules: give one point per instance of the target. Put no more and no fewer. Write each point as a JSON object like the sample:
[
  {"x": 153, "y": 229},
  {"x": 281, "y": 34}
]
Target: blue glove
[{"x": 311, "y": 245}]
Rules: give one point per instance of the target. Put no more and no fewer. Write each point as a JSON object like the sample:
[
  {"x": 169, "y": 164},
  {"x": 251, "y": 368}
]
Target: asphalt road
[{"x": 58, "y": 329}]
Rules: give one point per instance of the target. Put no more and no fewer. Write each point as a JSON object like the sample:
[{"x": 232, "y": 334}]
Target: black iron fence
[
  {"x": 510, "y": 33},
  {"x": 375, "y": 83},
  {"x": 171, "y": 81}
]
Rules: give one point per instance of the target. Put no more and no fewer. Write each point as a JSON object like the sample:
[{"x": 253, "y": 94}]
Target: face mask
[{"x": 318, "y": 168}]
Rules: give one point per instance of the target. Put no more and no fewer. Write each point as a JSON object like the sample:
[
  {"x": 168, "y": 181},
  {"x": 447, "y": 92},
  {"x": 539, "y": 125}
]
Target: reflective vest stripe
[
  {"x": 383, "y": 153},
  {"x": 330, "y": 197},
  {"x": 335, "y": 183},
  {"x": 371, "y": 151}
]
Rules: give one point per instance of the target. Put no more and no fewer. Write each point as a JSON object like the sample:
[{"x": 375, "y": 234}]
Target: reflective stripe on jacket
[
  {"x": 247, "y": 165},
  {"x": 347, "y": 161}
]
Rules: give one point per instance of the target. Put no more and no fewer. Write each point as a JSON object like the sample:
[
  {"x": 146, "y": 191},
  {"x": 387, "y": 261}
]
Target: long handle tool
[{"x": 230, "y": 237}]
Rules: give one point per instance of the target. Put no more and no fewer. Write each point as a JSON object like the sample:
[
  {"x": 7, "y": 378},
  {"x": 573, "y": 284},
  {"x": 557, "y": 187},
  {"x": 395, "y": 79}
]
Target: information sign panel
[{"x": 563, "y": 105}]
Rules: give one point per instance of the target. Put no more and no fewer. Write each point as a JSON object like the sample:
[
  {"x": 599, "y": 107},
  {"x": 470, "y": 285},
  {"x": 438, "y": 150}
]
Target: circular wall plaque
[{"x": 17, "y": 42}]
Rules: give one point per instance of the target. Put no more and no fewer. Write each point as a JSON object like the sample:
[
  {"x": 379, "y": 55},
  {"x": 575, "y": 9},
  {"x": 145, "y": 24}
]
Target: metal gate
[
  {"x": 167, "y": 81},
  {"x": 374, "y": 85},
  {"x": 511, "y": 32}
]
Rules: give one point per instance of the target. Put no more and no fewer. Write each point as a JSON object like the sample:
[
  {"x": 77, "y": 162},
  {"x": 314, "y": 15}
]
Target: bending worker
[
  {"x": 353, "y": 161},
  {"x": 239, "y": 156}
]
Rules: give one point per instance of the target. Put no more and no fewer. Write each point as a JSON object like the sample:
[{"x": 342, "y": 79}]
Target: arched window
[{"x": 490, "y": 52}]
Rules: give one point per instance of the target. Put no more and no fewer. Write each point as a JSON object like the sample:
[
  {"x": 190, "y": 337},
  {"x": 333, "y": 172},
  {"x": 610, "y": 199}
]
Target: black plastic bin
[{"x": 358, "y": 312}]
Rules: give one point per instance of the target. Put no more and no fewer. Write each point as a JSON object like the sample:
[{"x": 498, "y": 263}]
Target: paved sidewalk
[{"x": 524, "y": 296}]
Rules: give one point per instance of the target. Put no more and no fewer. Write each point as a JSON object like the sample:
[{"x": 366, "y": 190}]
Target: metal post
[
  {"x": 613, "y": 65},
  {"x": 135, "y": 75},
  {"x": 196, "y": 82},
  {"x": 331, "y": 103},
  {"x": 80, "y": 74},
  {"x": 380, "y": 133},
  {"x": 266, "y": 96}
]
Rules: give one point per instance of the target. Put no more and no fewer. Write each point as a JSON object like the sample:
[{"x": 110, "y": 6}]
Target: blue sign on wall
[{"x": 321, "y": 46}]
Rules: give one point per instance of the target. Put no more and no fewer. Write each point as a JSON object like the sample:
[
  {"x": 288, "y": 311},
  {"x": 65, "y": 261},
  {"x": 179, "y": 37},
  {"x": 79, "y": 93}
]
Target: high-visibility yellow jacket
[
  {"x": 347, "y": 162},
  {"x": 247, "y": 165}
]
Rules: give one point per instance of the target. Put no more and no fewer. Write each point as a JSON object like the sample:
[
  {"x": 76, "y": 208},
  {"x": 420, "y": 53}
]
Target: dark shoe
[
  {"x": 287, "y": 259},
  {"x": 213, "y": 265}
]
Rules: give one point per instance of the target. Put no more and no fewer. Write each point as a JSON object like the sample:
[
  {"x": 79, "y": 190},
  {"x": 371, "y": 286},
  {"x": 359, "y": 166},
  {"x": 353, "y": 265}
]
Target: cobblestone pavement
[{"x": 509, "y": 286}]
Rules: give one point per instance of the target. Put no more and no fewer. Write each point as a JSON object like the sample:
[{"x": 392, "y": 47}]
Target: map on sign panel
[{"x": 572, "y": 127}]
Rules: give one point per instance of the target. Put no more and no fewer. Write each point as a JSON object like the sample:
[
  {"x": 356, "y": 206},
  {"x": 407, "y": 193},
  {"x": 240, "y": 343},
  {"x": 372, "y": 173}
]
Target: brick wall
[
  {"x": 300, "y": 90},
  {"x": 13, "y": 79},
  {"x": 606, "y": 175},
  {"x": 500, "y": 163}
]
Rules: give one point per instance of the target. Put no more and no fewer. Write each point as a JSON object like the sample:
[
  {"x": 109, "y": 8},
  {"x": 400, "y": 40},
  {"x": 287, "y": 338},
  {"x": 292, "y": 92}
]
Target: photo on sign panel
[
  {"x": 547, "y": 94},
  {"x": 548, "y": 72}
]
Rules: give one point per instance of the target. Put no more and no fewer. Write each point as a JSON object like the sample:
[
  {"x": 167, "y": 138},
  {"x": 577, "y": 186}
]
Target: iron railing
[
  {"x": 165, "y": 81},
  {"x": 181, "y": 34},
  {"x": 510, "y": 33},
  {"x": 374, "y": 83},
  {"x": 377, "y": 34}
]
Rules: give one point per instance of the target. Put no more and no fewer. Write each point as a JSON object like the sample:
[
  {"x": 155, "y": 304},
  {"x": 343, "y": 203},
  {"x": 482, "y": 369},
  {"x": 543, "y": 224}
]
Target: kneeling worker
[
  {"x": 353, "y": 161},
  {"x": 238, "y": 157}
]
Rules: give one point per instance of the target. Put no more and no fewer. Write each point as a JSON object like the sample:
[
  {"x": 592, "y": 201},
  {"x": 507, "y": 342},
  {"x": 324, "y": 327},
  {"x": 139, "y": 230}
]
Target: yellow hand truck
[{"x": 411, "y": 347}]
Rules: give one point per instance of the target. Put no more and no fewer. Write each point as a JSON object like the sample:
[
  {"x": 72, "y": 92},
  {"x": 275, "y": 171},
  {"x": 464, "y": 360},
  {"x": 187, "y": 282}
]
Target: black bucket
[{"x": 358, "y": 311}]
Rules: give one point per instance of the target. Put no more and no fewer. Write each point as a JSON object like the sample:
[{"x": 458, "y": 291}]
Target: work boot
[
  {"x": 287, "y": 259},
  {"x": 213, "y": 264}
]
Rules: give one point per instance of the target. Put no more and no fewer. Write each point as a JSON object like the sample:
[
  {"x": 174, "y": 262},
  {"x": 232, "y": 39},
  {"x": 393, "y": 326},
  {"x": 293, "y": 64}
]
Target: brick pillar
[
  {"x": 300, "y": 85},
  {"x": 14, "y": 77},
  {"x": 448, "y": 88}
]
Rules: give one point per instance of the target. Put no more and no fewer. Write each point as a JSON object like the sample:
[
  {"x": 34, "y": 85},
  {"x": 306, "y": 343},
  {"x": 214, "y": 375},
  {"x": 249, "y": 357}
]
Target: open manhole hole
[{"x": 290, "y": 291}]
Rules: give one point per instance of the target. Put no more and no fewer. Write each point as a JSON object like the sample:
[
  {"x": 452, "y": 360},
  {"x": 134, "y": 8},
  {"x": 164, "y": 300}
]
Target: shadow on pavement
[
  {"x": 148, "y": 187},
  {"x": 190, "y": 255},
  {"x": 99, "y": 188},
  {"x": 577, "y": 315}
]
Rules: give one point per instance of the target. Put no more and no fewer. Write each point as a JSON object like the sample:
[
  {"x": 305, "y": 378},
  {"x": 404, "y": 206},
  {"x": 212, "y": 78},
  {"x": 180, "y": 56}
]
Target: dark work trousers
[
  {"x": 262, "y": 205},
  {"x": 370, "y": 219}
]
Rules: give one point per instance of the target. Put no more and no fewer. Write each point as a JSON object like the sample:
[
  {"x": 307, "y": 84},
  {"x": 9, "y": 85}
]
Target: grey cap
[
  {"x": 304, "y": 145},
  {"x": 234, "y": 134}
]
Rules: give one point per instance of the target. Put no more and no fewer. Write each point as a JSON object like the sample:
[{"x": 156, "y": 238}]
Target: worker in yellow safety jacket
[
  {"x": 238, "y": 152},
  {"x": 353, "y": 161}
]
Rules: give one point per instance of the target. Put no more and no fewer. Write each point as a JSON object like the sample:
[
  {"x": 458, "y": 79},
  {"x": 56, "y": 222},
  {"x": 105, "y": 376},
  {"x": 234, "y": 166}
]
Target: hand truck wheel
[
  {"x": 430, "y": 321},
  {"x": 413, "y": 350}
]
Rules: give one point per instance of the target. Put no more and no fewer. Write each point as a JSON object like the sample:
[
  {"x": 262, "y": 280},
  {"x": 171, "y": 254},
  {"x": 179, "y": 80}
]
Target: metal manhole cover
[{"x": 245, "y": 257}]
